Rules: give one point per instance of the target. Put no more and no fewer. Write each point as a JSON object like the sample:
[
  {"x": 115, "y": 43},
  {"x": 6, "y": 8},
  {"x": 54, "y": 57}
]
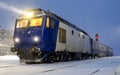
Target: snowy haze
[
  {"x": 10, "y": 8},
  {"x": 96, "y": 16}
]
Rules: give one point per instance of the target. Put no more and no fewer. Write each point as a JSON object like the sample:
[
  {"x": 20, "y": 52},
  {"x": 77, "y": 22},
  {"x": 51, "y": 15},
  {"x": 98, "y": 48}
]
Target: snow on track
[
  {"x": 102, "y": 66},
  {"x": 8, "y": 60},
  {"x": 9, "y": 57}
]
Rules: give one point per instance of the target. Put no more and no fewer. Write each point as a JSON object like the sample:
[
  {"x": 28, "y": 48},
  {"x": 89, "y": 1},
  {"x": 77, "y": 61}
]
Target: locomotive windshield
[
  {"x": 36, "y": 22},
  {"x": 33, "y": 22},
  {"x": 22, "y": 23}
]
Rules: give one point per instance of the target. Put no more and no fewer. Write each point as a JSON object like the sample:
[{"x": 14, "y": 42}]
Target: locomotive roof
[
  {"x": 59, "y": 18},
  {"x": 66, "y": 22}
]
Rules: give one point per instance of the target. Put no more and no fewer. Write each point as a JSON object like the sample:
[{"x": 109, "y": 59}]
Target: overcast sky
[{"x": 93, "y": 16}]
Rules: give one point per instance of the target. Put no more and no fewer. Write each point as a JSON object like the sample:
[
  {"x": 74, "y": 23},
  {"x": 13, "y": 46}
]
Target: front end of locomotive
[{"x": 31, "y": 37}]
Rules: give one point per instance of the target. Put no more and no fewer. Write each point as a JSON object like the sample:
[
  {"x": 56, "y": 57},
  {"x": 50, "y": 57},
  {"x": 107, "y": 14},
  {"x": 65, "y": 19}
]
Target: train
[{"x": 42, "y": 36}]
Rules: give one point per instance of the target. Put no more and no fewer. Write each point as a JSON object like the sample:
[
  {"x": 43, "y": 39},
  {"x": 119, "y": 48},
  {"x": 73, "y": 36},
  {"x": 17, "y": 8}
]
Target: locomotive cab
[{"x": 35, "y": 36}]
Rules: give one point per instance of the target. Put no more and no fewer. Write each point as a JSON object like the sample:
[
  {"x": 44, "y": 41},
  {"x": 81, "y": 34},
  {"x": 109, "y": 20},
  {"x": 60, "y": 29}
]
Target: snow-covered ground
[{"x": 9, "y": 65}]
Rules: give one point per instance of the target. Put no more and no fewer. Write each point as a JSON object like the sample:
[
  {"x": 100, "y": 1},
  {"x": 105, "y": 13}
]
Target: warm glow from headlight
[
  {"x": 29, "y": 14},
  {"x": 36, "y": 39},
  {"x": 17, "y": 40}
]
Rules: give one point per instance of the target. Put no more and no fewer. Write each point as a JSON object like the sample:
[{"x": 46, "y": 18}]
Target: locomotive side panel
[
  {"x": 76, "y": 41},
  {"x": 87, "y": 44},
  {"x": 70, "y": 42}
]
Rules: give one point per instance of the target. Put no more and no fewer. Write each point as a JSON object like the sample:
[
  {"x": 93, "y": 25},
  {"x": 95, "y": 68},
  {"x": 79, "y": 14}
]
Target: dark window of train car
[
  {"x": 52, "y": 24},
  {"x": 72, "y": 32},
  {"x": 78, "y": 34},
  {"x": 62, "y": 35},
  {"x": 83, "y": 37}
]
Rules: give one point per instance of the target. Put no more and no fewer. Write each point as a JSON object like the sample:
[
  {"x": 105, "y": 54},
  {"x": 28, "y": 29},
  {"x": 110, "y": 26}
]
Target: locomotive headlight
[
  {"x": 36, "y": 39},
  {"x": 29, "y": 14},
  {"x": 17, "y": 40}
]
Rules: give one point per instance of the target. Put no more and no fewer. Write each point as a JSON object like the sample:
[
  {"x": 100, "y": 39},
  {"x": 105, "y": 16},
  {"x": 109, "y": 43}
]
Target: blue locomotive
[{"x": 41, "y": 36}]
